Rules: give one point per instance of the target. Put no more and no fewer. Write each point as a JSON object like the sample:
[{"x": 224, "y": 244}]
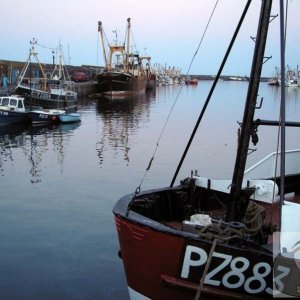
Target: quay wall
[
  {"x": 12, "y": 69},
  {"x": 84, "y": 89}
]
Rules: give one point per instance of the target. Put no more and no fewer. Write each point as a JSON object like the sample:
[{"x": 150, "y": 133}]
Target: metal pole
[
  {"x": 239, "y": 202},
  {"x": 282, "y": 108}
]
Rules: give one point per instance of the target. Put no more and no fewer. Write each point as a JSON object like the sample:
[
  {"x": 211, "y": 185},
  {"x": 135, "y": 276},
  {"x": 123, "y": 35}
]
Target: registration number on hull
[{"x": 247, "y": 275}]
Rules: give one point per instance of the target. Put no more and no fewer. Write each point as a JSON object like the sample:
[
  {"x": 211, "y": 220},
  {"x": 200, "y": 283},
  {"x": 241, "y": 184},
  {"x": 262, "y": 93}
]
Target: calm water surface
[{"x": 60, "y": 183}]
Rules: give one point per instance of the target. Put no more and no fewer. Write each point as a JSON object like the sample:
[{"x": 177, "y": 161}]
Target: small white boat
[
  {"x": 70, "y": 117},
  {"x": 292, "y": 82}
]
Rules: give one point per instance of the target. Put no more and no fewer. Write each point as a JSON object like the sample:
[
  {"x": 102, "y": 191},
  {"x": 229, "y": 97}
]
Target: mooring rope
[
  {"x": 200, "y": 287},
  {"x": 175, "y": 101},
  {"x": 253, "y": 220}
]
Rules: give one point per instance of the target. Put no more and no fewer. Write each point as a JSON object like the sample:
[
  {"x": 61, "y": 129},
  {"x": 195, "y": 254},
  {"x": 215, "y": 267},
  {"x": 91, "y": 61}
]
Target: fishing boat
[
  {"x": 123, "y": 75},
  {"x": 54, "y": 92},
  {"x": 150, "y": 74},
  {"x": 191, "y": 81},
  {"x": 13, "y": 110},
  {"x": 292, "y": 78},
  {"x": 214, "y": 238},
  {"x": 69, "y": 117},
  {"x": 42, "y": 116},
  {"x": 275, "y": 79}
]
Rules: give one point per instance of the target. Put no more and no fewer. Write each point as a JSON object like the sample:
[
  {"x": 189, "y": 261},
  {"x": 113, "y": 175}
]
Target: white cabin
[{"x": 12, "y": 103}]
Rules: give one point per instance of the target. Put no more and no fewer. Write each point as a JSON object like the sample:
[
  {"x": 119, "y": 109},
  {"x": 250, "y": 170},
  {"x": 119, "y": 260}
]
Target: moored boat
[
  {"x": 151, "y": 76},
  {"x": 275, "y": 79},
  {"x": 292, "y": 82},
  {"x": 69, "y": 117},
  {"x": 292, "y": 78},
  {"x": 123, "y": 75},
  {"x": 13, "y": 110},
  {"x": 192, "y": 81},
  {"x": 216, "y": 237},
  {"x": 42, "y": 116},
  {"x": 55, "y": 92}
]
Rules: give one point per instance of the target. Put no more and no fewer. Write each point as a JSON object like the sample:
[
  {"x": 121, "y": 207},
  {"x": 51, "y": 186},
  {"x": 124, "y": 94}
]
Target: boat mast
[
  {"x": 33, "y": 53},
  {"x": 100, "y": 29},
  {"x": 60, "y": 63},
  {"x": 128, "y": 44},
  {"x": 239, "y": 200}
]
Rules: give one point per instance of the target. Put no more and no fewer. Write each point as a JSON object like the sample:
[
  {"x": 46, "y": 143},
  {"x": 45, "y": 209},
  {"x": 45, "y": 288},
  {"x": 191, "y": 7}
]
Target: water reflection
[
  {"x": 120, "y": 120},
  {"x": 33, "y": 143},
  {"x": 292, "y": 96},
  {"x": 44, "y": 137},
  {"x": 124, "y": 130},
  {"x": 10, "y": 137},
  {"x": 291, "y": 93}
]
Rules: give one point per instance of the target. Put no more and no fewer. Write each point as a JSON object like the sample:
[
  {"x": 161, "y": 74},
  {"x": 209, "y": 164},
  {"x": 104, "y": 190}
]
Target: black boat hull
[
  {"x": 45, "y": 99},
  {"x": 120, "y": 84},
  {"x": 12, "y": 117}
]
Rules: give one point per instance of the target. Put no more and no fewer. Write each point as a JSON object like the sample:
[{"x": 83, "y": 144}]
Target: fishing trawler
[
  {"x": 54, "y": 92},
  {"x": 123, "y": 74},
  {"x": 213, "y": 237},
  {"x": 292, "y": 78}
]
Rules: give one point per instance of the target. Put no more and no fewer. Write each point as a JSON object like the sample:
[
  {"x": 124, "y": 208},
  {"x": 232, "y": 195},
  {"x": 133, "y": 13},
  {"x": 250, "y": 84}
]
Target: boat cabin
[{"x": 12, "y": 103}]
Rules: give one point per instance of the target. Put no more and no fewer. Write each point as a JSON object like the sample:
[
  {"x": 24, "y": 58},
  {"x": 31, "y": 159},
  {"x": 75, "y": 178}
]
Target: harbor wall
[
  {"x": 84, "y": 89},
  {"x": 12, "y": 69}
]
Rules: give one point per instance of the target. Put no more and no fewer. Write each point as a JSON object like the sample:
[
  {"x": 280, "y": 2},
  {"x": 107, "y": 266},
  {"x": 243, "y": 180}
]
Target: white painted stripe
[{"x": 134, "y": 295}]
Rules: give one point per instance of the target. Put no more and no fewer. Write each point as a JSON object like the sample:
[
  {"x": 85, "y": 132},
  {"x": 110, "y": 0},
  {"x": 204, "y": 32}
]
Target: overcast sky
[{"x": 167, "y": 30}]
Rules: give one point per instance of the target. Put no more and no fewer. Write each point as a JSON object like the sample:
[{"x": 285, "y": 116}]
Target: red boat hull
[{"x": 158, "y": 266}]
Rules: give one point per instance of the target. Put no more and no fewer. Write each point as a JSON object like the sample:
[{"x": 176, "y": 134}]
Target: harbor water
[{"x": 59, "y": 183}]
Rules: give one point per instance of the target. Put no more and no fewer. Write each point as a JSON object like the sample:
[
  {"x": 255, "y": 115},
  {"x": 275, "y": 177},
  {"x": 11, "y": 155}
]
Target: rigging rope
[
  {"x": 46, "y": 47},
  {"x": 211, "y": 90},
  {"x": 175, "y": 101},
  {"x": 211, "y": 15}
]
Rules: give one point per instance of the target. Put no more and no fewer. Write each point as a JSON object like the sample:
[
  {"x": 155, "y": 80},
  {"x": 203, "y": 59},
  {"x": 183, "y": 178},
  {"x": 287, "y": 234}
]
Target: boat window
[
  {"x": 13, "y": 102},
  {"x": 5, "y": 101},
  {"x": 20, "y": 104}
]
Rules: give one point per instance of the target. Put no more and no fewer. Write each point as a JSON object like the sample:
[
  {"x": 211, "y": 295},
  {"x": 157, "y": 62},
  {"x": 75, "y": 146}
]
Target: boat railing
[
  {"x": 33, "y": 84},
  {"x": 65, "y": 86},
  {"x": 259, "y": 177},
  {"x": 57, "y": 86},
  {"x": 269, "y": 166}
]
